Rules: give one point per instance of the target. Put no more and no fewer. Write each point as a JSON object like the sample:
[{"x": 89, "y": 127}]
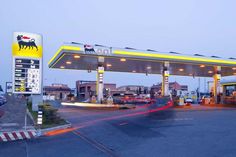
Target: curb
[
  {"x": 28, "y": 134},
  {"x": 17, "y": 135},
  {"x": 221, "y": 105},
  {"x": 43, "y": 132},
  {"x": 180, "y": 109}
]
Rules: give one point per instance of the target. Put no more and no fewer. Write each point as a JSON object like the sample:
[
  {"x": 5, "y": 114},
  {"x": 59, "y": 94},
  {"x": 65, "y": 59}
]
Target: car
[
  {"x": 123, "y": 98},
  {"x": 3, "y": 99},
  {"x": 188, "y": 100},
  {"x": 204, "y": 99}
]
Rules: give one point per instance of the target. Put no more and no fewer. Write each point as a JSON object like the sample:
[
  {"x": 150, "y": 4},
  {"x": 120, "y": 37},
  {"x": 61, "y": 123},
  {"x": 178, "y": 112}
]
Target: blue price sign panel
[{"x": 27, "y": 76}]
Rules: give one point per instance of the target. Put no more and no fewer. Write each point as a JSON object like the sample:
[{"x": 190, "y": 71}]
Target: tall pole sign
[{"x": 27, "y": 52}]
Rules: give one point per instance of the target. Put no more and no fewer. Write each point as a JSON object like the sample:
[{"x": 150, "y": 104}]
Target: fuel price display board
[{"x": 27, "y": 76}]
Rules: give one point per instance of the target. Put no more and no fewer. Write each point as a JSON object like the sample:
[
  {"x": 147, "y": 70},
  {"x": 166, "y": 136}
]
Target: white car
[
  {"x": 3, "y": 98},
  {"x": 188, "y": 100}
]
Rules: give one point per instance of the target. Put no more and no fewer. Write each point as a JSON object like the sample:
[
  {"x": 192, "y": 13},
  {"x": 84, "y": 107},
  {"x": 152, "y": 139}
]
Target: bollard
[{"x": 40, "y": 118}]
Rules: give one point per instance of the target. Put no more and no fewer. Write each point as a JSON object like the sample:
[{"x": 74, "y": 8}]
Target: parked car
[
  {"x": 188, "y": 100},
  {"x": 160, "y": 101},
  {"x": 121, "y": 98},
  {"x": 202, "y": 100},
  {"x": 3, "y": 99}
]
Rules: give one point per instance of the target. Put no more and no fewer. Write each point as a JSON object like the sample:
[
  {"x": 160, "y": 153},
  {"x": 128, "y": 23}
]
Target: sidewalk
[
  {"x": 12, "y": 122},
  {"x": 13, "y": 117}
]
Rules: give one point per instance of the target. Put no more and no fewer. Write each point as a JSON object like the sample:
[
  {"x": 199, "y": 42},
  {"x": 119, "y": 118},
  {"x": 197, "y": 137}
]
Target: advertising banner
[
  {"x": 27, "y": 63},
  {"x": 27, "y": 45},
  {"x": 97, "y": 50}
]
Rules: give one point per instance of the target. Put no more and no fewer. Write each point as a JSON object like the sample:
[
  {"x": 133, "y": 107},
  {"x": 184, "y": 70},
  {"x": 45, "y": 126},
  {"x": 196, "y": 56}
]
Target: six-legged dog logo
[{"x": 25, "y": 42}]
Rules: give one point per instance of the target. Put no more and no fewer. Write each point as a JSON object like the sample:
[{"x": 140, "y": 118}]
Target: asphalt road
[
  {"x": 1, "y": 112},
  {"x": 168, "y": 133}
]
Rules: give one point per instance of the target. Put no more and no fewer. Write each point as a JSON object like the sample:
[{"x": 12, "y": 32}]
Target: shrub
[{"x": 49, "y": 114}]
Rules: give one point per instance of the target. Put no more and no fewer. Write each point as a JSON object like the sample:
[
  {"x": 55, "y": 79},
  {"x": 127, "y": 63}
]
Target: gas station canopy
[{"x": 78, "y": 56}]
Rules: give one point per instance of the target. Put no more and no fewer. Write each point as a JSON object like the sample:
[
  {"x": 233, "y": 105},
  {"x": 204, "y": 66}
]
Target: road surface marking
[
  {"x": 97, "y": 145},
  {"x": 176, "y": 119},
  {"x": 124, "y": 123},
  {"x": 9, "y": 124}
]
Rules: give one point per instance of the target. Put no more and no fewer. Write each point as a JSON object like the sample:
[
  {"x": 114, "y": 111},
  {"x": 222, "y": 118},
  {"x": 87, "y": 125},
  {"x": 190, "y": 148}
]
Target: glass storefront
[{"x": 229, "y": 94}]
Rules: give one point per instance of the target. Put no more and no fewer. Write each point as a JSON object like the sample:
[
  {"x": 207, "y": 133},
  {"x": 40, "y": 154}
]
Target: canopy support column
[
  {"x": 216, "y": 84},
  {"x": 165, "y": 79},
  {"x": 99, "y": 83}
]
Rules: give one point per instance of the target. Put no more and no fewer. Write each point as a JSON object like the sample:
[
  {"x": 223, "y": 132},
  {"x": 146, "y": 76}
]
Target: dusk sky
[{"x": 187, "y": 26}]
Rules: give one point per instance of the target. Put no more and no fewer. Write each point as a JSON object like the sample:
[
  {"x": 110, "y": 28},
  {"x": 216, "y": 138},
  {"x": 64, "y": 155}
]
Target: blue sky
[{"x": 187, "y": 26}]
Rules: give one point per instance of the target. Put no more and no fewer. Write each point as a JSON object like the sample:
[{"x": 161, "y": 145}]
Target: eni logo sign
[
  {"x": 30, "y": 43},
  {"x": 97, "y": 50},
  {"x": 27, "y": 45}
]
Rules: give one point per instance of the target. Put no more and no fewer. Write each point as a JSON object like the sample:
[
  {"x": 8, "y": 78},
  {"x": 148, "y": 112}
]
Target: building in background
[
  {"x": 135, "y": 89},
  {"x": 57, "y": 91},
  {"x": 173, "y": 86},
  {"x": 86, "y": 89},
  {"x": 228, "y": 90},
  {"x": 74, "y": 92},
  {"x": 184, "y": 87}
]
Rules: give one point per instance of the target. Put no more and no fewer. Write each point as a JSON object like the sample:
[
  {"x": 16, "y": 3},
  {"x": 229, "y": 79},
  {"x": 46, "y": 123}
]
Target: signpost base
[{"x": 36, "y": 100}]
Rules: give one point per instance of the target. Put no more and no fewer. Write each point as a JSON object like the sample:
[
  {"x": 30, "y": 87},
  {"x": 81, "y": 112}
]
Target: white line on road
[
  {"x": 26, "y": 149},
  {"x": 176, "y": 119},
  {"x": 9, "y": 124}
]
